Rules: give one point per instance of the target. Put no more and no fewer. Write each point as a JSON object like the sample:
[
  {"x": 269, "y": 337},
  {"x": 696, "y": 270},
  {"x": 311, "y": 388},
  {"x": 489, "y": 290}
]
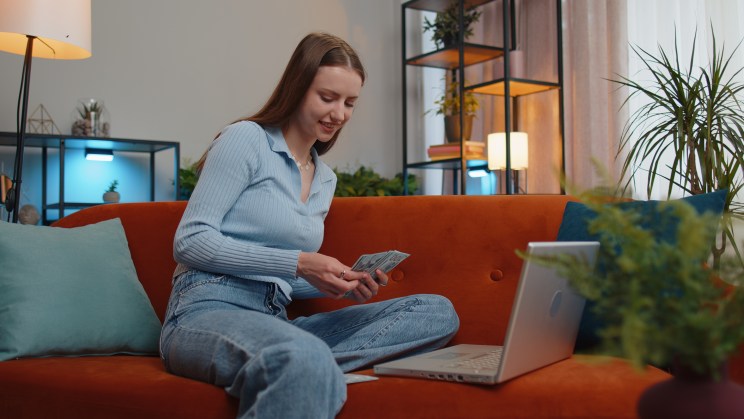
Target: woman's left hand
[{"x": 367, "y": 287}]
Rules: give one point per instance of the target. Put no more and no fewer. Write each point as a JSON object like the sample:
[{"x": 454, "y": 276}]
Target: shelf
[
  {"x": 449, "y": 164},
  {"x": 74, "y": 205},
  {"x": 78, "y": 142},
  {"x": 440, "y": 5},
  {"x": 65, "y": 142},
  {"x": 517, "y": 87},
  {"x": 504, "y": 26},
  {"x": 449, "y": 58}
]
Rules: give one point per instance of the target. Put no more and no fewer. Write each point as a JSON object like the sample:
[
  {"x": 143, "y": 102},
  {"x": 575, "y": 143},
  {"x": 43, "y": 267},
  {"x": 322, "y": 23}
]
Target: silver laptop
[{"x": 542, "y": 329}]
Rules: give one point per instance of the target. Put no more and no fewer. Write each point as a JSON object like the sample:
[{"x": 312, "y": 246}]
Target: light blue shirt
[{"x": 245, "y": 217}]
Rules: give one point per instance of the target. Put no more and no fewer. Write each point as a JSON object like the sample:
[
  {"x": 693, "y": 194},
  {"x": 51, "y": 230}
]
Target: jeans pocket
[
  {"x": 191, "y": 291},
  {"x": 276, "y": 302}
]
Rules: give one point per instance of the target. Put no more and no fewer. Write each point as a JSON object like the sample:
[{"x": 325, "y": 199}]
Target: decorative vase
[
  {"x": 692, "y": 395},
  {"x": 93, "y": 119},
  {"x": 111, "y": 197},
  {"x": 452, "y": 128}
]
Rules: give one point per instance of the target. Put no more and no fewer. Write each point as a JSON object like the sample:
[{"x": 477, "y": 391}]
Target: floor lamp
[{"x": 46, "y": 29}]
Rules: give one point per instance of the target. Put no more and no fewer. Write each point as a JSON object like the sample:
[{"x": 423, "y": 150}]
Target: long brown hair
[{"x": 315, "y": 50}]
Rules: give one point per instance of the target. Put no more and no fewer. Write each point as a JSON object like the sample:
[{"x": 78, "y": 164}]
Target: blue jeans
[{"x": 234, "y": 333}]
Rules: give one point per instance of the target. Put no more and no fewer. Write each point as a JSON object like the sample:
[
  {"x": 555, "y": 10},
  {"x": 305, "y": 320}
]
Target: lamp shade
[
  {"x": 497, "y": 150},
  {"x": 62, "y": 27}
]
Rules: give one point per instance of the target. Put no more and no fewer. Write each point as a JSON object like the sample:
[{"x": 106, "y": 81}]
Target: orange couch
[{"x": 461, "y": 247}]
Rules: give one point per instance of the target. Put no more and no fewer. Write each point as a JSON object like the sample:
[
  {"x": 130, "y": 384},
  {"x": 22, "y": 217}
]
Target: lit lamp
[
  {"x": 97, "y": 154},
  {"x": 62, "y": 29},
  {"x": 519, "y": 152}
]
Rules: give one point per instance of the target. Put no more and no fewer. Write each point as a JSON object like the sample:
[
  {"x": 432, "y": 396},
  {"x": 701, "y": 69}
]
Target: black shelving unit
[
  {"x": 64, "y": 142},
  {"x": 464, "y": 54}
]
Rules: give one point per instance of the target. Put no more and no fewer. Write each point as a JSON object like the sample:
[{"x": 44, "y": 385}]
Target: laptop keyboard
[{"x": 490, "y": 360}]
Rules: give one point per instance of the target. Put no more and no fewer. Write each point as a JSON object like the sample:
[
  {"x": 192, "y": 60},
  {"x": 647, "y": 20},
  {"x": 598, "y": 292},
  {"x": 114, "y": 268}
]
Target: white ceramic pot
[{"x": 111, "y": 197}]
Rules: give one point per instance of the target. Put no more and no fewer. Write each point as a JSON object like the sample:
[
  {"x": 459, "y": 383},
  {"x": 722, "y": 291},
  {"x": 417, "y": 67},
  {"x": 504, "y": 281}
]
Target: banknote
[
  {"x": 385, "y": 261},
  {"x": 358, "y": 378}
]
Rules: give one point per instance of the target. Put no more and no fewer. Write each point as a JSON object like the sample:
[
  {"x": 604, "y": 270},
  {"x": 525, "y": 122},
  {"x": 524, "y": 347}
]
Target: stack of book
[{"x": 471, "y": 150}]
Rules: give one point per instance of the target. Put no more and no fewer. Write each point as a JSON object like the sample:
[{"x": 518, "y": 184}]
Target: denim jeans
[{"x": 234, "y": 333}]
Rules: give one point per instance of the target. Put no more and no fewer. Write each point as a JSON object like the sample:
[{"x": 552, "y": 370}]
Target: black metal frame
[
  {"x": 63, "y": 142},
  {"x": 460, "y": 165}
]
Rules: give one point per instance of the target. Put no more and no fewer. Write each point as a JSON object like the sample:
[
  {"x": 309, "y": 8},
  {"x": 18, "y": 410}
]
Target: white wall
[{"x": 178, "y": 71}]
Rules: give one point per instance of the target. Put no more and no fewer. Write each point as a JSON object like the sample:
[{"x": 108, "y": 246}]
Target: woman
[{"x": 247, "y": 245}]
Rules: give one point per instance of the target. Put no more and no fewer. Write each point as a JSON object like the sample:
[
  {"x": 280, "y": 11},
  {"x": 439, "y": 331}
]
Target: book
[
  {"x": 471, "y": 149},
  {"x": 457, "y": 144}
]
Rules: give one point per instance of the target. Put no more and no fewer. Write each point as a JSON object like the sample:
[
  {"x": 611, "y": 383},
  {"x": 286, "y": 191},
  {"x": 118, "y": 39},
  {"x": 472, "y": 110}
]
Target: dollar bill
[
  {"x": 358, "y": 378},
  {"x": 385, "y": 261}
]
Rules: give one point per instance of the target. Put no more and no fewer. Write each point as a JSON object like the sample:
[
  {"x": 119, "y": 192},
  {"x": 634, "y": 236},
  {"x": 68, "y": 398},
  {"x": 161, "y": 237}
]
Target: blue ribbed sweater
[{"x": 245, "y": 217}]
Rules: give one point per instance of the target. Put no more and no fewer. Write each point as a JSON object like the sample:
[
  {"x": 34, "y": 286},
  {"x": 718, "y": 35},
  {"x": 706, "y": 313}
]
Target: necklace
[{"x": 301, "y": 166}]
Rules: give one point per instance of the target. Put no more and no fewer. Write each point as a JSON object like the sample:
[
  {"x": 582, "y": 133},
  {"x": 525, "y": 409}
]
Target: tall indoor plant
[{"x": 696, "y": 116}]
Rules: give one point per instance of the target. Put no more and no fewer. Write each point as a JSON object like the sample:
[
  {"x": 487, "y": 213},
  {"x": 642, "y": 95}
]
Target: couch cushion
[
  {"x": 110, "y": 387},
  {"x": 578, "y": 387},
  {"x": 574, "y": 227},
  {"x": 71, "y": 292},
  {"x": 138, "y": 387}
]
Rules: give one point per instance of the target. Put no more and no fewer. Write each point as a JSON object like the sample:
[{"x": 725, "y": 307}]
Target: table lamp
[
  {"x": 518, "y": 150},
  {"x": 52, "y": 29}
]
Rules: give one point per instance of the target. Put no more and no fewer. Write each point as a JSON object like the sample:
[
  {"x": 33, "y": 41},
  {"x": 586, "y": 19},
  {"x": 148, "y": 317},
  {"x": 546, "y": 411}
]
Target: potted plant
[
  {"x": 366, "y": 182},
  {"x": 188, "y": 175},
  {"x": 91, "y": 121},
  {"x": 449, "y": 105},
  {"x": 446, "y": 29},
  {"x": 111, "y": 195},
  {"x": 659, "y": 302},
  {"x": 689, "y": 132}
]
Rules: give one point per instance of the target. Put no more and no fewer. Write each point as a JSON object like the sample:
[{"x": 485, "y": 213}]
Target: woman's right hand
[{"x": 335, "y": 279}]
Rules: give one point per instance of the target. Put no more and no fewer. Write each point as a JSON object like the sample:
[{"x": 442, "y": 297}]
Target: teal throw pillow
[
  {"x": 574, "y": 226},
  {"x": 71, "y": 291}
]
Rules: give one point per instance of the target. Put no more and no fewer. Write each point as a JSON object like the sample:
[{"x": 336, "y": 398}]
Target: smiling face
[{"x": 327, "y": 104}]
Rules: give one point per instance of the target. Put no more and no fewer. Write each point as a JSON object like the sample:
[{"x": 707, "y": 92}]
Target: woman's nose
[{"x": 338, "y": 114}]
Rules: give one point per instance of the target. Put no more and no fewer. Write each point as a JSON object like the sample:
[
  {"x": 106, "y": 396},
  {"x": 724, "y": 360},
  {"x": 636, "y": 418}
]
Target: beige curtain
[{"x": 595, "y": 50}]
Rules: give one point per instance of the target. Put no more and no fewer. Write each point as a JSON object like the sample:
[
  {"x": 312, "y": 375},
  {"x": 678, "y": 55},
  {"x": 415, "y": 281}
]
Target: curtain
[{"x": 595, "y": 51}]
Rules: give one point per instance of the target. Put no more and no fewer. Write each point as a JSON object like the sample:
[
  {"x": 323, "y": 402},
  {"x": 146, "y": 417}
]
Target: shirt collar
[{"x": 278, "y": 144}]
